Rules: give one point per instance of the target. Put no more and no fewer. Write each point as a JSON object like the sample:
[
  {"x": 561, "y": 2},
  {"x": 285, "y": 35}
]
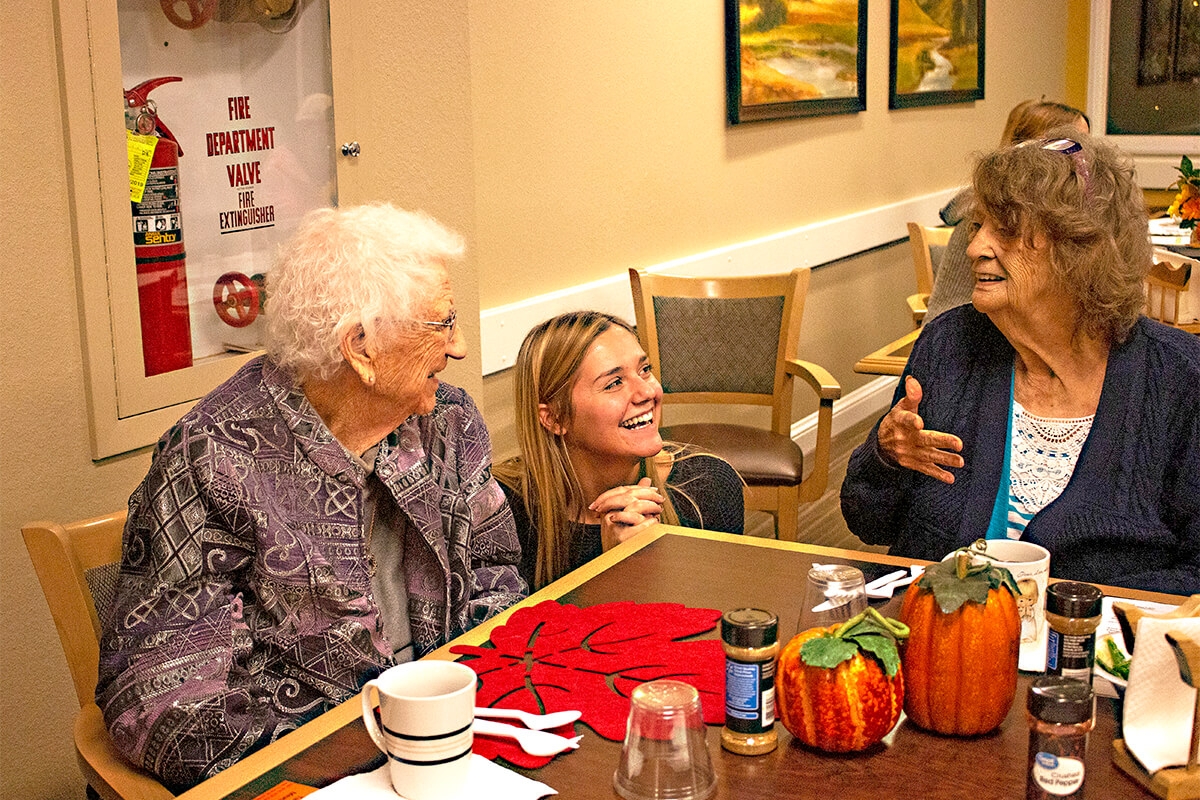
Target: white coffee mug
[
  {"x": 427, "y": 709},
  {"x": 1029, "y": 564}
]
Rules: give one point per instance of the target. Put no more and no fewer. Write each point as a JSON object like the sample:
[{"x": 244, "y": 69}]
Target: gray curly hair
[
  {"x": 1089, "y": 208},
  {"x": 372, "y": 265}
]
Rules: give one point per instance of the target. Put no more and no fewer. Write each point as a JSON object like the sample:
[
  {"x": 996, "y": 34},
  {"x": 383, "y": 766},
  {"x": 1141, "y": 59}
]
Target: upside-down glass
[
  {"x": 833, "y": 593},
  {"x": 665, "y": 755}
]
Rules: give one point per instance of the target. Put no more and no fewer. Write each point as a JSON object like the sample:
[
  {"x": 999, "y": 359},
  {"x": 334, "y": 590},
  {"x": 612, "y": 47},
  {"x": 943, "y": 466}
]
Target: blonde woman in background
[{"x": 593, "y": 469}]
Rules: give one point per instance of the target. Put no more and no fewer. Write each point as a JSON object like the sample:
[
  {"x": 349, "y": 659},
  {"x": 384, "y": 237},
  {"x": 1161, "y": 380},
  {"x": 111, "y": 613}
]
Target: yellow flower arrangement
[{"x": 1186, "y": 207}]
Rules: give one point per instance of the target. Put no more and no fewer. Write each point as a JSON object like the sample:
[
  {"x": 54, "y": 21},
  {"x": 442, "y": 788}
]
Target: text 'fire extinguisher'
[{"x": 158, "y": 240}]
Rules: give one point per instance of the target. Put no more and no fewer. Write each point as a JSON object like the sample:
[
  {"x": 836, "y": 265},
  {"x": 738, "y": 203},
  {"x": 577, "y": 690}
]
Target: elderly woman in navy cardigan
[{"x": 1050, "y": 409}]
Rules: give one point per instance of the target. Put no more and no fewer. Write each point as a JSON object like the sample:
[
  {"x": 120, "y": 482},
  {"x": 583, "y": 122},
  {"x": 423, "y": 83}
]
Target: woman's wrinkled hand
[
  {"x": 625, "y": 511},
  {"x": 904, "y": 440}
]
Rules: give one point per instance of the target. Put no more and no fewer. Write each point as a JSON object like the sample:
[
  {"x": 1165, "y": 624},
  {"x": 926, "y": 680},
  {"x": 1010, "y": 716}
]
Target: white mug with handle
[
  {"x": 426, "y": 710},
  {"x": 1029, "y": 564}
]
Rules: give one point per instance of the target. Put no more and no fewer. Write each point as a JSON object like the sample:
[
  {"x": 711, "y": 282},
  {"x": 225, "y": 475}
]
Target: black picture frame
[
  {"x": 778, "y": 91},
  {"x": 911, "y": 32}
]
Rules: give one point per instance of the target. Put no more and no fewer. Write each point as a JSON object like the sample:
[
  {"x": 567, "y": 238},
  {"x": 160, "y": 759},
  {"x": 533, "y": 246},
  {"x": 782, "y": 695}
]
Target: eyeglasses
[
  {"x": 448, "y": 323},
  {"x": 1072, "y": 148}
]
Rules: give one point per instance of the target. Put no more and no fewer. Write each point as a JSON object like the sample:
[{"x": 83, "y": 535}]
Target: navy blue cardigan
[{"x": 1130, "y": 515}]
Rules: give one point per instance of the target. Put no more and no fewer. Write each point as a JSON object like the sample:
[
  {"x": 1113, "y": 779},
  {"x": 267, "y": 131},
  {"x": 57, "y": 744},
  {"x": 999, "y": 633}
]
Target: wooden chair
[
  {"x": 77, "y": 566},
  {"x": 1170, "y": 277},
  {"x": 734, "y": 341},
  {"x": 927, "y": 245}
]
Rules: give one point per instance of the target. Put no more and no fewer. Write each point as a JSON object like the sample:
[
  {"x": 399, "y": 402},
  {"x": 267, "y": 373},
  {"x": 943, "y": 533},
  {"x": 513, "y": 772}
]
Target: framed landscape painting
[
  {"x": 936, "y": 52},
  {"x": 795, "y": 58}
]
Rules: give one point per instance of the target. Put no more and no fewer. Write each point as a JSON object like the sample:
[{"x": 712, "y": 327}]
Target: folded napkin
[
  {"x": 484, "y": 780},
  {"x": 553, "y": 657},
  {"x": 1159, "y": 706}
]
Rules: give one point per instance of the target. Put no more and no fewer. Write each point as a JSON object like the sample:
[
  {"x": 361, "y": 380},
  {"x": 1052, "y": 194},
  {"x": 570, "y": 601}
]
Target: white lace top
[{"x": 1042, "y": 458}]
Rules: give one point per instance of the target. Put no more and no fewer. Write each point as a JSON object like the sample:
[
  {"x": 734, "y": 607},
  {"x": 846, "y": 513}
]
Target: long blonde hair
[{"x": 546, "y": 370}]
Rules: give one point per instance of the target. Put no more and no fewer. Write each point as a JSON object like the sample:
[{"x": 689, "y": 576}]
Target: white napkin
[
  {"x": 485, "y": 779},
  {"x": 1111, "y": 628},
  {"x": 1159, "y": 706}
]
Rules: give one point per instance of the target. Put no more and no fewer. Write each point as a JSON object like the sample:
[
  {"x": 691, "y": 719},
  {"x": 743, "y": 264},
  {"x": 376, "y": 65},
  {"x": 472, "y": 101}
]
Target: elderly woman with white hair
[{"x": 327, "y": 512}]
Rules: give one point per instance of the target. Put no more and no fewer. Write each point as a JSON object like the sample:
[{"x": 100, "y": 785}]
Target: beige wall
[
  {"x": 601, "y": 143},
  {"x": 598, "y": 142}
]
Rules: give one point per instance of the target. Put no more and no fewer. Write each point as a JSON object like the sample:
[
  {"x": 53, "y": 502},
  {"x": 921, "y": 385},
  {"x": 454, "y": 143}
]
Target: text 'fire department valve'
[{"x": 158, "y": 240}]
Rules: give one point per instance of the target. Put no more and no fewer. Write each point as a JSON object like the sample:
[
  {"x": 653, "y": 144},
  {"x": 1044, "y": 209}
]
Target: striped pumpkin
[
  {"x": 961, "y": 667},
  {"x": 844, "y": 709}
]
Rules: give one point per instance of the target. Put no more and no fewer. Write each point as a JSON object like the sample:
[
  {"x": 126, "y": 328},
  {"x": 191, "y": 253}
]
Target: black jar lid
[
  {"x": 1071, "y": 599},
  {"x": 749, "y": 627},
  {"x": 1055, "y": 698}
]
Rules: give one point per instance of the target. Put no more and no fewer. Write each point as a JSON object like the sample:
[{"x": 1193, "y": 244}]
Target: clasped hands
[
  {"x": 904, "y": 440},
  {"x": 625, "y": 511}
]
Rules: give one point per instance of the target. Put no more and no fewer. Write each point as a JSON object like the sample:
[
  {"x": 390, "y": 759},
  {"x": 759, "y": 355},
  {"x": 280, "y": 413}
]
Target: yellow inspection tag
[{"x": 141, "y": 151}]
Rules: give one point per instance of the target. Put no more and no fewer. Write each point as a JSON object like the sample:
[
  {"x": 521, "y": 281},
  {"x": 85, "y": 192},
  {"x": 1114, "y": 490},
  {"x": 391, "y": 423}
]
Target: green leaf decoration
[
  {"x": 951, "y": 590},
  {"x": 827, "y": 651},
  {"x": 883, "y": 648},
  {"x": 869, "y": 632}
]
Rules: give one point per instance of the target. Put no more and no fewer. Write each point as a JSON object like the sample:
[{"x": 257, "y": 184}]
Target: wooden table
[
  {"x": 889, "y": 359},
  {"x": 722, "y": 571}
]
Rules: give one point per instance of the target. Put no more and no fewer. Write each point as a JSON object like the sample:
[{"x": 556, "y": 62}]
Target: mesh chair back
[
  {"x": 77, "y": 566},
  {"x": 102, "y": 585},
  {"x": 718, "y": 344}
]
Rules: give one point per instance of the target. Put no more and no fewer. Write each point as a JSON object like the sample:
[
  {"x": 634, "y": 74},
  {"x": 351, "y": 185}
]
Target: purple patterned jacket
[{"x": 244, "y": 604}]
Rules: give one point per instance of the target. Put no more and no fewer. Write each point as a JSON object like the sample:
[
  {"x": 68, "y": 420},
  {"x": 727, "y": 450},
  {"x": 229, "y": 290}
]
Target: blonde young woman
[{"x": 593, "y": 469}]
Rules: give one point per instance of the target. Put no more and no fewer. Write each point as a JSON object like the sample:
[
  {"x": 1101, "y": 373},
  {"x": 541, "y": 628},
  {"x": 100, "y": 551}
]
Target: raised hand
[
  {"x": 904, "y": 440},
  {"x": 627, "y": 510}
]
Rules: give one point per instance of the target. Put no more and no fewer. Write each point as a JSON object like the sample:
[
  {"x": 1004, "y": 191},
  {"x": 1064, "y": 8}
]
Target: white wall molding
[
  {"x": 501, "y": 329},
  {"x": 867, "y": 401}
]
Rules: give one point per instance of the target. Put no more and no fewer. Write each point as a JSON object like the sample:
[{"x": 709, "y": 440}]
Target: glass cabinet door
[{"x": 199, "y": 133}]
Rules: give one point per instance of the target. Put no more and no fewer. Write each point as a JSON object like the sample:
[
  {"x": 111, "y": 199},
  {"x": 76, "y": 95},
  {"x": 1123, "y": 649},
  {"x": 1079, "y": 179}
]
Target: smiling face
[
  {"x": 410, "y": 356},
  {"x": 1011, "y": 277},
  {"x": 616, "y": 403}
]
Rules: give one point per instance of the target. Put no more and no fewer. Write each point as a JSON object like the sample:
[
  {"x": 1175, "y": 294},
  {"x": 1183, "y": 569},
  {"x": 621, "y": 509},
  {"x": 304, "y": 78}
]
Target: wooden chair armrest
[
  {"x": 103, "y": 766},
  {"x": 918, "y": 305},
  {"x": 823, "y": 383}
]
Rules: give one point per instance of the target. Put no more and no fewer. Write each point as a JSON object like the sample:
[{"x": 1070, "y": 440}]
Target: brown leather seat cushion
[{"x": 761, "y": 457}]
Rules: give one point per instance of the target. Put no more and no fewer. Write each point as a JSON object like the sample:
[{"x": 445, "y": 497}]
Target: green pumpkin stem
[
  {"x": 868, "y": 632},
  {"x": 897, "y": 628},
  {"x": 959, "y": 579}
]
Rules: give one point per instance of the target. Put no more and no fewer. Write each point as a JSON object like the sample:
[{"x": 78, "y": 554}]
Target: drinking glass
[
  {"x": 833, "y": 594},
  {"x": 665, "y": 754}
]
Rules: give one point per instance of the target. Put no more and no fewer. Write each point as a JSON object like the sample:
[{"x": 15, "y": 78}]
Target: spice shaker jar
[
  {"x": 1072, "y": 616},
  {"x": 1061, "y": 713},
  {"x": 750, "y": 637}
]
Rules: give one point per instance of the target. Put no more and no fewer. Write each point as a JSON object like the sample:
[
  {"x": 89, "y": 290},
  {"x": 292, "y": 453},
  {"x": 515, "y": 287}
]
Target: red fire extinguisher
[{"x": 158, "y": 241}]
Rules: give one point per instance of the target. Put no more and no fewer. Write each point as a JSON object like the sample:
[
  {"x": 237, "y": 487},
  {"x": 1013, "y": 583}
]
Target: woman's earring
[{"x": 371, "y": 379}]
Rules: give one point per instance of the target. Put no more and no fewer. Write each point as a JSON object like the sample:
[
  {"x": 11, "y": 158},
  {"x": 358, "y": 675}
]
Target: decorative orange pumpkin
[
  {"x": 960, "y": 660},
  {"x": 846, "y": 707}
]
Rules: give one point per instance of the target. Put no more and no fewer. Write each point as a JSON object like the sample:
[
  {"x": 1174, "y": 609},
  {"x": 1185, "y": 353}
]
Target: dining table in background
[
  {"x": 889, "y": 359},
  {"x": 719, "y": 571}
]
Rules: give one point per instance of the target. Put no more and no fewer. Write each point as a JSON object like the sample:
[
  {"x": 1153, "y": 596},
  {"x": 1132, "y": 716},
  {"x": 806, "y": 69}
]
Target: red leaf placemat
[{"x": 552, "y": 657}]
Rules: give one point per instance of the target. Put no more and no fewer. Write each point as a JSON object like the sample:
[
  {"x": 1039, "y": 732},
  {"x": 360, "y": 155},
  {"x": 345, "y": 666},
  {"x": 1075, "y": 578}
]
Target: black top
[{"x": 706, "y": 492}]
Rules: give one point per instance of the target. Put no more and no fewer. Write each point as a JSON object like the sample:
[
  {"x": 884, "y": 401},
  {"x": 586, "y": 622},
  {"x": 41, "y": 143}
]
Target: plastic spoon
[
  {"x": 535, "y": 743},
  {"x": 537, "y": 722}
]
